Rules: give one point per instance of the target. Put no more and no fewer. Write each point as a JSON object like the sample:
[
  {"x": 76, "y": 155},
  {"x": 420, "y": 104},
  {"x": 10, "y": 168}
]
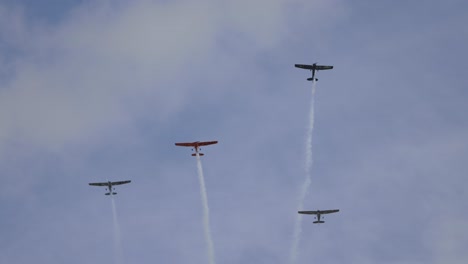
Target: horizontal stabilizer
[
  {"x": 200, "y": 154},
  {"x": 319, "y": 222},
  {"x": 311, "y": 79},
  {"x": 107, "y": 193}
]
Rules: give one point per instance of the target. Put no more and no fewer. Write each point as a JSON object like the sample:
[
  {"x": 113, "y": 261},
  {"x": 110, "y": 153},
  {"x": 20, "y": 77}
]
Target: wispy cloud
[{"x": 104, "y": 91}]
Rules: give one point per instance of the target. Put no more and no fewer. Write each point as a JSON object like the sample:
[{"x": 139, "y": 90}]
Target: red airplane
[{"x": 196, "y": 146}]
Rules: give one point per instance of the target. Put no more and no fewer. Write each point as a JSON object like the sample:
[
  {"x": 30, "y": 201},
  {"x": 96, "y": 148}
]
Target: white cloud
[
  {"x": 79, "y": 78},
  {"x": 101, "y": 76},
  {"x": 446, "y": 238}
]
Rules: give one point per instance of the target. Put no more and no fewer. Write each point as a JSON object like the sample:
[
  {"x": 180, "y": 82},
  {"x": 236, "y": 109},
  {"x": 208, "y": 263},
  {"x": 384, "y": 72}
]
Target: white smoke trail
[
  {"x": 306, "y": 185},
  {"x": 310, "y": 130},
  {"x": 206, "y": 213},
  {"x": 117, "y": 235}
]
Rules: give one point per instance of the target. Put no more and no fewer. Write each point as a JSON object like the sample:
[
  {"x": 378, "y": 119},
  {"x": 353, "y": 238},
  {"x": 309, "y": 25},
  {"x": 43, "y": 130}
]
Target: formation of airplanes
[
  {"x": 196, "y": 146},
  {"x": 313, "y": 68}
]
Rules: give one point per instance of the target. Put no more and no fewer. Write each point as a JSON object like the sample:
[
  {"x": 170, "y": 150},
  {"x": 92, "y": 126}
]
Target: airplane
[
  {"x": 314, "y": 67},
  {"x": 319, "y": 213},
  {"x": 196, "y": 146},
  {"x": 109, "y": 185}
]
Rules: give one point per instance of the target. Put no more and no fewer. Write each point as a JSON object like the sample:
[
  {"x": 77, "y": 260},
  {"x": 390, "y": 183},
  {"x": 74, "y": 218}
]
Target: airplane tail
[
  {"x": 200, "y": 154},
  {"x": 319, "y": 222}
]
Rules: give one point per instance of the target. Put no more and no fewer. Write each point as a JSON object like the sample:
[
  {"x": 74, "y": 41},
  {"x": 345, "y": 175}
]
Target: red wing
[
  {"x": 193, "y": 144},
  {"x": 206, "y": 143},
  {"x": 197, "y": 143}
]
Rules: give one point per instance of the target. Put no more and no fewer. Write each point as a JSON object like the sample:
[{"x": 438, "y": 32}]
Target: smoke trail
[
  {"x": 117, "y": 235},
  {"x": 306, "y": 185},
  {"x": 310, "y": 130},
  {"x": 206, "y": 213}
]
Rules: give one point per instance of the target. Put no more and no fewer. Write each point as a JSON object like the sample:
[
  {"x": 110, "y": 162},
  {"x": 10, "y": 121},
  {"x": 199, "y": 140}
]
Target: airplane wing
[
  {"x": 309, "y": 212},
  {"x": 120, "y": 182},
  {"x": 319, "y": 212},
  {"x": 98, "y": 184},
  {"x": 206, "y": 143},
  {"x": 197, "y": 143},
  {"x": 304, "y": 66},
  {"x": 186, "y": 144},
  {"x": 323, "y": 67},
  {"x": 329, "y": 211}
]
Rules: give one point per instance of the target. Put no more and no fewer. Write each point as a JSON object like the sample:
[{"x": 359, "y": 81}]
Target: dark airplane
[
  {"x": 314, "y": 67},
  {"x": 109, "y": 185},
  {"x": 318, "y": 213}
]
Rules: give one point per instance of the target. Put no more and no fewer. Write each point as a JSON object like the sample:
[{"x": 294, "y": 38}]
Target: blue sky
[{"x": 98, "y": 90}]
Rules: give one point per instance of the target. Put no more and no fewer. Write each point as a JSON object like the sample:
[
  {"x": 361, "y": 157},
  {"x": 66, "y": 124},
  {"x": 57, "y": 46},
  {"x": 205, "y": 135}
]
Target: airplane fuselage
[
  {"x": 318, "y": 219},
  {"x": 197, "y": 149},
  {"x": 110, "y": 189}
]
